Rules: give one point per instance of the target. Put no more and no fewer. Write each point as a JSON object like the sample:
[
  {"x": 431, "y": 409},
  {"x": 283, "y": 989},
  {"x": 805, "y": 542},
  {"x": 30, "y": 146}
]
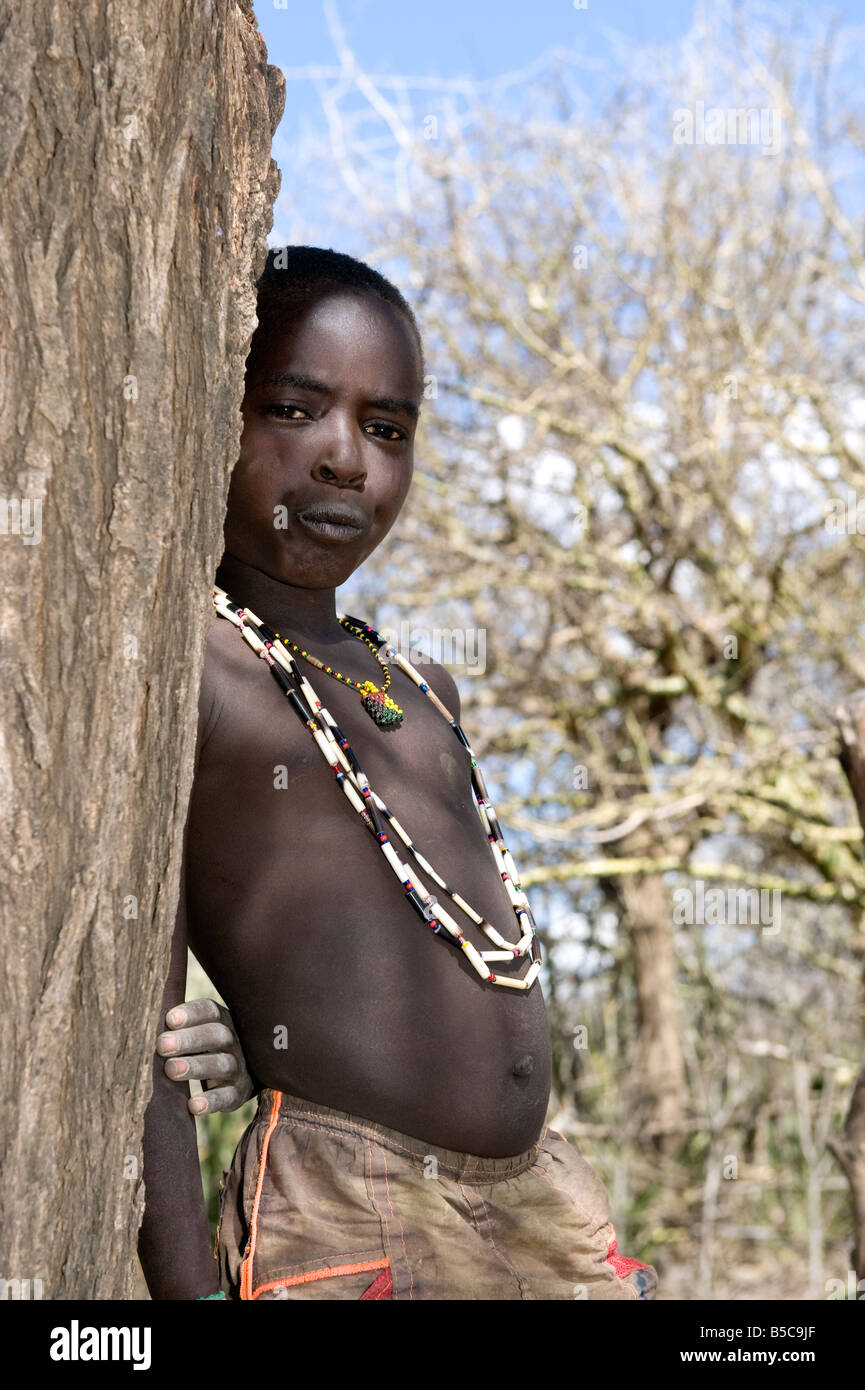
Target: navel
[{"x": 524, "y": 1066}]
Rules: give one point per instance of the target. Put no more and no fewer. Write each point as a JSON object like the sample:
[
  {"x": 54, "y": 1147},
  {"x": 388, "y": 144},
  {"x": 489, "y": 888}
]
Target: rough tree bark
[
  {"x": 137, "y": 192},
  {"x": 849, "y": 1147}
]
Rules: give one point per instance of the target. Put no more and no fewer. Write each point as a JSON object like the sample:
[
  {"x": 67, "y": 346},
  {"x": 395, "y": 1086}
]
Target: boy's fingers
[
  {"x": 209, "y": 1065},
  {"x": 220, "y": 1098},
  {"x": 224, "y": 1015},
  {"x": 208, "y": 1037},
  {"x": 245, "y": 1087},
  {"x": 194, "y": 1011}
]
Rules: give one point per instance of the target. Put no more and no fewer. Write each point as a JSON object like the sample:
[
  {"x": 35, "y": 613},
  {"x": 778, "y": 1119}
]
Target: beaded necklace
[
  {"x": 340, "y": 756},
  {"x": 377, "y": 703}
]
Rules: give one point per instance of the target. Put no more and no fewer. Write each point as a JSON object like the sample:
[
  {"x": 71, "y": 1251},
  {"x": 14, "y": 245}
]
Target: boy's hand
[{"x": 202, "y": 1045}]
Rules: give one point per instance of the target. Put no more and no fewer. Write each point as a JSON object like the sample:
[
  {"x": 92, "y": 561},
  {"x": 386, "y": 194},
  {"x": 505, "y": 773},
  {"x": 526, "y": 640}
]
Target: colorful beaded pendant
[
  {"x": 342, "y": 759},
  {"x": 380, "y": 707}
]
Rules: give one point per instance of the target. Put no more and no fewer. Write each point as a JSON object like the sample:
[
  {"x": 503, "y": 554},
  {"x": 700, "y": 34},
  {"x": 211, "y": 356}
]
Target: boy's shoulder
[
  {"x": 226, "y": 667},
  {"x": 442, "y": 684},
  {"x": 223, "y": 642},
  {"x": 226, "y": 657}
]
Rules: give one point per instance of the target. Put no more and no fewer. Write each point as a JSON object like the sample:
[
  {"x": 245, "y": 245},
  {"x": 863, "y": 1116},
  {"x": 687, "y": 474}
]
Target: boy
[{"x": 399, "y": 1150}]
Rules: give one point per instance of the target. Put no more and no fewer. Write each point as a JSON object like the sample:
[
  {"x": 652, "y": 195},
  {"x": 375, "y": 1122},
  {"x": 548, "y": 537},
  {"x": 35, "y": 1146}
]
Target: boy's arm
[{"x": 174, "y": 1241}]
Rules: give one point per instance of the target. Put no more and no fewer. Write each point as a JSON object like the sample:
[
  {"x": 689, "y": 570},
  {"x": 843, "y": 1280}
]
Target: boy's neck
[{"x": 308, "y": 613}]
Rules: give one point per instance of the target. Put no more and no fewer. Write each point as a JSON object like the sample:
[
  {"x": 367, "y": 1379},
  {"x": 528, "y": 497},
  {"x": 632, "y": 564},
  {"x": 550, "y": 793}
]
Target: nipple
[{"x": 524, "y": 1066}]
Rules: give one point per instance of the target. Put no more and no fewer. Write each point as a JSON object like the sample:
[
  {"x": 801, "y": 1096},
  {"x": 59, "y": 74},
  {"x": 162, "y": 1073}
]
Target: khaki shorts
[{"x": 320, "y": 1204}]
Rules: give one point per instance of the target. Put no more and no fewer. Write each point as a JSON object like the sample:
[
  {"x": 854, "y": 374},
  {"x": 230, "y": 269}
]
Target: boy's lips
[{"x": 336, "y": 521}]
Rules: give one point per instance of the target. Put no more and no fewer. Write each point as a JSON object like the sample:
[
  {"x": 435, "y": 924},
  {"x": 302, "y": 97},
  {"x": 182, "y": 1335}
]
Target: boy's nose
[
  {"x": 340, "y": 462},
  {"x": 348, "y": 474}
]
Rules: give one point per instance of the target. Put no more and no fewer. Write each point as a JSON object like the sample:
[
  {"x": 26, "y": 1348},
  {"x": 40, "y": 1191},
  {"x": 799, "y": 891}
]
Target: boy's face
[{"x": 330, "y": 413}]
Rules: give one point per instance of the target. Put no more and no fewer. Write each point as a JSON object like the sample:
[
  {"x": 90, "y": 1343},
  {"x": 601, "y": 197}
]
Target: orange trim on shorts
[
  {"x": 246, "y": 1267},
  {"x": 320, "y": 1274}
]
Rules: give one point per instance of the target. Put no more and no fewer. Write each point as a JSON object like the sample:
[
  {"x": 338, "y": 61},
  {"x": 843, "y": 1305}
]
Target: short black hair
[{"x": 294, "y": 275}]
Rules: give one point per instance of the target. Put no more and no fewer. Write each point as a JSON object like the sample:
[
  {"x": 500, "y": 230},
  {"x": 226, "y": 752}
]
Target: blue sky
[
  {"x": 481, "y": 40},
  {"x": 477, "y": 38}
]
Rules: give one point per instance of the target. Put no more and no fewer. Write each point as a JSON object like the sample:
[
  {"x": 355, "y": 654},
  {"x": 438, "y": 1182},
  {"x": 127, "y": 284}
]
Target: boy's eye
[
  {"x": 392, "y": 433},
  {"x": 285, "y": 412}
]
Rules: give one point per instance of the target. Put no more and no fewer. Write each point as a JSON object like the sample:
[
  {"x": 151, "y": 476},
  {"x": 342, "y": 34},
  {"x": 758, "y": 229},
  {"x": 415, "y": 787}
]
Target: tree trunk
[
  {"x": 137, "y": 192},
  {"x": 661, "y": 1076},
  {"x": 849, "y": 1148}
]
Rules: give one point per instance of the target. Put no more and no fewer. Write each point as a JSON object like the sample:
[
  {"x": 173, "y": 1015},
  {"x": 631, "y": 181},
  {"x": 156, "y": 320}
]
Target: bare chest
[{"x": 420, "y": 769}]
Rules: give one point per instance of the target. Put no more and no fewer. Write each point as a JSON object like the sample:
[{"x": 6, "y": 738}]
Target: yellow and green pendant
[{"x": 379, "y": 706}]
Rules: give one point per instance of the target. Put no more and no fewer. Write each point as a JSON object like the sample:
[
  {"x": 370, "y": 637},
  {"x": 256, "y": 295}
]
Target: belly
[{"x": 342, "y": 995}]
